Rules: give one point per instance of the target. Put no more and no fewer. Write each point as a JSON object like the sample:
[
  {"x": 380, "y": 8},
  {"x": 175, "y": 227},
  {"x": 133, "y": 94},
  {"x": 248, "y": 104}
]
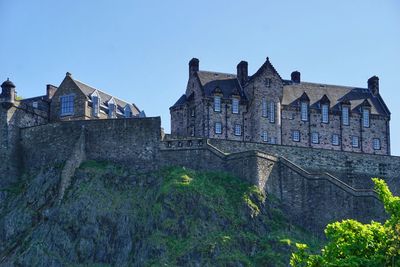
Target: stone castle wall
[
  {"x": 355, "y": 169},
  {"x": 130, "y": 141}
]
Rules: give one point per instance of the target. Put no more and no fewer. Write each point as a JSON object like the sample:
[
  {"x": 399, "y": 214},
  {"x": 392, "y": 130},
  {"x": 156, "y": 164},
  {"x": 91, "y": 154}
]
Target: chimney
[
  {"x": 50, "y": 91},
  {"x": 295, "y": 77},
  {"x": 373, "y": 85},
  {"x": 193, "y": 66},
  {"x": 242, "y": 72}
]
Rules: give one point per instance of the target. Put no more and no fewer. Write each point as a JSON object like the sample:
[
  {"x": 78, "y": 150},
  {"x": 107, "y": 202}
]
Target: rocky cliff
[{"x": 111, "y": 215}]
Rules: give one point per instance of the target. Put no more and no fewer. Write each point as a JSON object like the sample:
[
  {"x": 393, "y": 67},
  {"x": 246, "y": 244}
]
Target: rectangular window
[
  {"x": 218, "y": 128},
  {"x": 67, "y": 105},
  {"x": 217, "y": 103},
  {"x": 272, "y": 112},
  {"x": 192, "y": 131},
  {"x": 127, "y": 112},
  {"x": 335, "y": 139},
  {"x": 95, "y": 104},
  {"x": 325, "y": 113},
  {"x": 355, "y": 141},
  {"x": 264, "y": 108},
  {"x": 296, "y": 136},
  {"x": 111, "y": 111},
  {"x": 235, "y": 106},
  {"x": 264, "y": 136},
  {"x": 365, "y": 117},
  {"x": 272, "y": 140},
  {"x": 315, "y": 138},
  {"x": 238, "y": 129},
  {"x": 304, "y": 111},
  {"x": 345, "y": 115},
  {"x": 376, "y": 143}
]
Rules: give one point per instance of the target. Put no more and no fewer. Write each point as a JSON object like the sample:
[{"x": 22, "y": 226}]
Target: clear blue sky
[{"x": 139, "y": 50}]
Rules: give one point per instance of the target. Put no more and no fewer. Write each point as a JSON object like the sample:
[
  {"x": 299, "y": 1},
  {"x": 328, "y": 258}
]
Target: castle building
[
  {"x": 72, "y": 100},
  {"x": 266, "y": 108}
]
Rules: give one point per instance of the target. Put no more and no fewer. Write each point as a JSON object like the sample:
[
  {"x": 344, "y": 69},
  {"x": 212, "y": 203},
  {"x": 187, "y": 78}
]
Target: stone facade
[
  {"x": 278, "y": 111},
  {"x": 16, "y": 114}
]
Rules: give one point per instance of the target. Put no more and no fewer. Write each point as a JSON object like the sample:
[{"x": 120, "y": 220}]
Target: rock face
[{"x": 110, "y": 215}]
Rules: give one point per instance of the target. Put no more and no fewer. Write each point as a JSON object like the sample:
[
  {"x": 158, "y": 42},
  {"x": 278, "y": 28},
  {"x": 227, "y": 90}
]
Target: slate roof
[
  {"x": 227, "y": 83},
  {"x": 104, "y": 98},
  {"x": 292, "y": 93}
]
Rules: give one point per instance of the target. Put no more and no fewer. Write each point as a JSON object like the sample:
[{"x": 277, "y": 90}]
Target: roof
[
  {"x": 7, "y": 83},
  {"x": 320, "y": 93},
  {"x": 104, "y": 97},
  {"x": 227, "y": 83}
]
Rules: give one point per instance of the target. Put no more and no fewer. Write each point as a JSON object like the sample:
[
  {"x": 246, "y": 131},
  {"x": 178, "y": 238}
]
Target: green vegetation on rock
[
  {"x": 351, "y": 243},
  {"x": 111, "y": 215}
]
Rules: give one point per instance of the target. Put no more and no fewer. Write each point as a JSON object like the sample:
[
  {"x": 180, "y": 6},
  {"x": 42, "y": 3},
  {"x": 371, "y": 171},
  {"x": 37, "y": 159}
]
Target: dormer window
[
  {"x": 304, "y": 111},
  {"x": 112, "y": 109},
  {"x": 217, "y": 103},
  {"x": 127, "y": 112},
  {"x": 325, "y": 113},
  {"x": 366, "y": 117},
  {"x": 95, "y": 104},
  {"x": 235, "y": 106}
]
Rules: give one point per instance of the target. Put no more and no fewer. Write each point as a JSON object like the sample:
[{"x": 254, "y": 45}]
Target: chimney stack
[
  {"x": 295, "y": 76},
  {"x": 193, "y": 66},
  {"x": 50, "y": 91},
  {"x": 242, "y": 72},
  {"x": 373, "y": 85}
]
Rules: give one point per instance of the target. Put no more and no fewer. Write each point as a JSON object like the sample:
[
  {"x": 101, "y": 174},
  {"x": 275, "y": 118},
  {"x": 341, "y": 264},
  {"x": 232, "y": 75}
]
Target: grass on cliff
[{"x": 181, "y": 216}]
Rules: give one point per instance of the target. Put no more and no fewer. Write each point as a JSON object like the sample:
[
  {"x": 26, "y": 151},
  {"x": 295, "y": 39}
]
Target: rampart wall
[
  {"x": 130, "y": 141},
  {"x": 355, "y": 169}
]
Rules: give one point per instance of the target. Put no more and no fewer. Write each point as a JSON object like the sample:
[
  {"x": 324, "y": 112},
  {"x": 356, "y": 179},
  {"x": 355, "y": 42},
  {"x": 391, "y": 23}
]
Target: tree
[{"x": 351, "y": 243}]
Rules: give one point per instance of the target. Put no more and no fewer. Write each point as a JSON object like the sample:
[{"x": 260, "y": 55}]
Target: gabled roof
[
  {"x": 267, "y": 64},
  {"x": 104, "y": 97},
  {"x": 337, "y": 95},
  {"x": 227, "y": 83}
]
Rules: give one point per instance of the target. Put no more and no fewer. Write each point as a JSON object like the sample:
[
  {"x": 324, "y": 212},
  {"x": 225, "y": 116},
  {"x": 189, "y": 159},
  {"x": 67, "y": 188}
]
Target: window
[
  {"x": 272, "y": 112},
  {"x": 238, "y": 129},
  {"x": 235, "y": 105},
  {"x": 296, "y": 136},
  {"x": 325, "y": 113},
  {"x": 304, "y": 111},
  {"x": 192, "y": 112},
  {"x": 218, "y": 128},
  {"x": 264, "y": 108},
  {"x": 376, "y": 143},
  {"x": 111, "y": 110},
  {"x": 264, "y": 136},
  {"x": 315, "y": 138},
  {"x": 267, "y": 82},
  {"x": 365, "y": 117},
  {"x": 96, "y": 105},
  {"x": 192, "y": 131},
  {"x": 354, "y": 141},
  {"x": 217, "y": 103},
  {"x": 335, "y": 139},
  {"x": 35, "y": 104},
  {"x": 127, "y": 112},
  {"x": 345, "y": 115},
  {"x": 272, "y": 141},
  {"x": 67, "y": 105}
]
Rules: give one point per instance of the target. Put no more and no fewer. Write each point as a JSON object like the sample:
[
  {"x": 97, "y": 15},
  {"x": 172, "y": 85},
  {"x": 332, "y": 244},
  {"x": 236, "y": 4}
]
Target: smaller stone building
[
  {"x": 72, "y": 100},
  {"x": 266, "y": 108}
]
